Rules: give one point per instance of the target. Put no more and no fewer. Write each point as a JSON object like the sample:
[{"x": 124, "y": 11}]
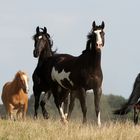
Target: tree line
[{"x": 108, "y": 104}]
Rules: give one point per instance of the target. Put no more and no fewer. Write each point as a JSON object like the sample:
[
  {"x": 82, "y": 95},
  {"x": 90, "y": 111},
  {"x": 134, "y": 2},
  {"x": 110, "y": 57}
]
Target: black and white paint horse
[
  {"x": 63, "y": 73},
  {"x": 43, "y": 50},
  {"x": 133, "y": 101}
]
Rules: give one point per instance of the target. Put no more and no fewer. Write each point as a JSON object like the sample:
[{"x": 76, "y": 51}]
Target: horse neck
[
  {"x": 15, "y": 85},
  {"x": 44, "y": 54},
  {"x": 97, "y": 59},
  {"x": 92, "y": 59}
]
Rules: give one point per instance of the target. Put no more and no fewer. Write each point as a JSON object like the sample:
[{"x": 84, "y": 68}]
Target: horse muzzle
[
  {"x": 99, "y": 46},
  {"x": 35, "y": 53}
]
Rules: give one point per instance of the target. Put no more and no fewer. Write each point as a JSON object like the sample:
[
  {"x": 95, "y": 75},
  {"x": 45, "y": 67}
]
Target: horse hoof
[
  {"x": 84, "y": 121},
  {"x": 46, "y": 116},
  {"x": 64, "y": 121},
  {"x": 35, "y": 117}
]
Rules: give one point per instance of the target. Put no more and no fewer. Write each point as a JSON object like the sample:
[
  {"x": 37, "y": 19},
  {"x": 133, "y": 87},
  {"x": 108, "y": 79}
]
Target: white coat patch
[
  {"x": 40, "y": 37},
  {"x": 56, "y": 76}
]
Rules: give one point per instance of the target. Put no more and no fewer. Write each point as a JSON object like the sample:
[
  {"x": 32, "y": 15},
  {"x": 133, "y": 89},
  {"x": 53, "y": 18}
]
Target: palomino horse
[
  {"x": 14, "y": 95},
  {"x": 132, "y": 101},
  {"x": 62, "y": 72},
  {"x": 43, "y": 50}
]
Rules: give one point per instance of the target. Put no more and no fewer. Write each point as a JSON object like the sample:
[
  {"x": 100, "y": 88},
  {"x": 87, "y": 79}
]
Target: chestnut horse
[
  {"x": 14, "y": 95},
  {"x": 43, "y": 50}
]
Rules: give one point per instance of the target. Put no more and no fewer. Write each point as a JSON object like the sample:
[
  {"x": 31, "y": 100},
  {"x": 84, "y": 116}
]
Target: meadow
[{"x": 53, "y": 129}]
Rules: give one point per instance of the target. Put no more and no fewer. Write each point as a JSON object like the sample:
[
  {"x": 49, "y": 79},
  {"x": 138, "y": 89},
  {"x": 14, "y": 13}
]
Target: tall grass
[{"x": 54, "y": 130}]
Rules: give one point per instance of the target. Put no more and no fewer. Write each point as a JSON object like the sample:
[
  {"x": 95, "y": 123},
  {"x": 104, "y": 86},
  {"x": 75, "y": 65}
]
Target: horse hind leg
[
  {"x": 97, "y": 97},
  {"x": 66, "y": 107},
  {"x": 58, "y": 98},
  {"x": 71, "y": 105}
]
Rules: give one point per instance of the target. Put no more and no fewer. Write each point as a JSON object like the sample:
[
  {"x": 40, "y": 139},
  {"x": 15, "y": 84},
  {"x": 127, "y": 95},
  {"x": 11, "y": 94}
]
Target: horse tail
[
  {"x": 133, "y": 99},
  {"x": 123, "y": 110}
]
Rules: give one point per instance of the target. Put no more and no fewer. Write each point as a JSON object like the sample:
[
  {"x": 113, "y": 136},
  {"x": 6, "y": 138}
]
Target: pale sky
[{"x": 68, "y": 22}]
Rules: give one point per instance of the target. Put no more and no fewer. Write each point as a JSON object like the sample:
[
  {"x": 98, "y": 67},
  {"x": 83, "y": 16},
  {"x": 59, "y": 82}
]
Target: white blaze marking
[
  {"x": 26, "y": 82},
  {"x": 98, "y": 39},
  {"x": 40, "y": 37},
  {"x": 99, "y": 119},
  {"x": 60, "y": 76}
]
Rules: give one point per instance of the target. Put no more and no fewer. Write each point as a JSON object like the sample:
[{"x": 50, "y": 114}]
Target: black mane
[{"x": 90, "y": 38}]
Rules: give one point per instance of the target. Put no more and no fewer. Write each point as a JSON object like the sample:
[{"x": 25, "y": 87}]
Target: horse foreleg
[
  {"x": 97, "y": 97},
  {"x": 135, "y": 115},
  {"x": 82, "y": 98},
  {"x": 10, "y": 112},
  {"x": 36, "y": 105},
  {"x": 42, "y": 104},
  {"x": 24, "y": 111}
]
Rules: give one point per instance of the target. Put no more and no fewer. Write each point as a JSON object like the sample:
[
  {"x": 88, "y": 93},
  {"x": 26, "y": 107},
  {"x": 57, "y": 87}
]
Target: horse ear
[
  {"x": 45, "y": 30},
  {"x": 103, "y": 24},
  {"x": 37, "y": 29},
  {"x": 93, "y": 24}
]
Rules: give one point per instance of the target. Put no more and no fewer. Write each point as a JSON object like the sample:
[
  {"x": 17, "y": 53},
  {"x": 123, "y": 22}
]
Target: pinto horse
[
  {"x": 63, "y": 72},
  {"x": 14, "y": 95},
  {"x": 43, "y": 50}
]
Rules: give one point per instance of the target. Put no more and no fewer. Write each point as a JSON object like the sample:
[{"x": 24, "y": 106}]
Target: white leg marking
[
  {"x": 99, "y": 119},
  {"x": 60, "y": 76},
  {"x": 62, "y": 113}
]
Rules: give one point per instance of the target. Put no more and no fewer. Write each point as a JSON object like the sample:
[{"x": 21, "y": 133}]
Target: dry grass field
[{"x": 54, "y": 130}]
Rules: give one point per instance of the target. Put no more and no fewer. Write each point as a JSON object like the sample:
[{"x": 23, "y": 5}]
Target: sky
[{"x": 68, "y": 23}]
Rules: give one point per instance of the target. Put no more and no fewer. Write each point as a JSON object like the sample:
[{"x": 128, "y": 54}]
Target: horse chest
[
  {"x": 17, "y": 100},
  {"x": 88, "y": 79}
]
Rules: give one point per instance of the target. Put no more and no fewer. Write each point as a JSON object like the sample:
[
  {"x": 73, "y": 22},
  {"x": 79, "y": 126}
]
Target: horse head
[
  {"x": 42, "y": 41},
  {"x": 96, "y": 36},
  {"x": 22, "y": 80}
]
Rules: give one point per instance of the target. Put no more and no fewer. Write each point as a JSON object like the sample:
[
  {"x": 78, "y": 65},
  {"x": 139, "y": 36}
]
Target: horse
[
  {"x": 132, "y": 101},
  {"x": 43, "y": 50},
  {"x": 63, "y": 73},
  {"x": 14, "y": 95}
]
